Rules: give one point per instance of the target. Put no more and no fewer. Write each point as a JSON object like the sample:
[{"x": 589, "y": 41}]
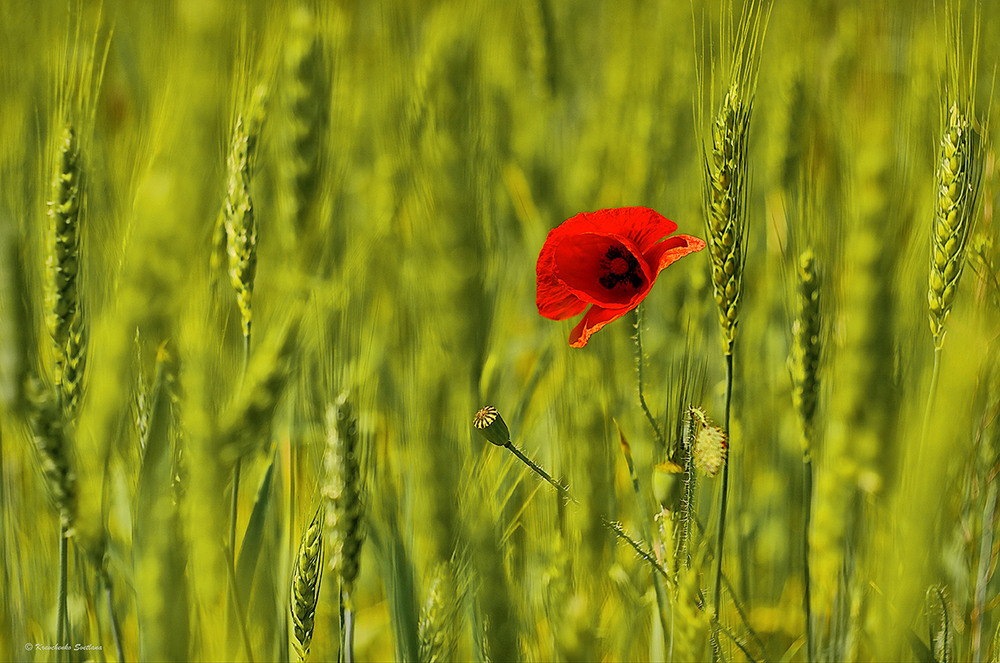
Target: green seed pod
[{"x": 492, "y": 426}]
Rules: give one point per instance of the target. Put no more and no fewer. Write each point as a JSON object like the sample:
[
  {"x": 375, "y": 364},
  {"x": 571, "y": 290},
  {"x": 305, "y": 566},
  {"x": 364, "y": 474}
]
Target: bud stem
[{"x": 540, "y": 472}]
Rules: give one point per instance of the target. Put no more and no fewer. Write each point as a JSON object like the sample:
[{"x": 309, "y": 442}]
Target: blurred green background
[{"x": 451, "y": 137}]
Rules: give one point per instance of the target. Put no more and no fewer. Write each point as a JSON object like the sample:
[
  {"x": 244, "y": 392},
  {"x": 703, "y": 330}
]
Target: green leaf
[
  {"x": 397, "y": 572},
  {"x": 253, "y": 538},
  {"x": 920, "y": 650}
]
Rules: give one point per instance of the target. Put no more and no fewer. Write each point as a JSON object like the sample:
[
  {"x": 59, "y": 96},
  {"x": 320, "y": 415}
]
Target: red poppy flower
[{"x": 608, "y": 259}]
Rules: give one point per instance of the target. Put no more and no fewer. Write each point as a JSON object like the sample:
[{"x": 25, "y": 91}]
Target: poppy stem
[
  {"x": 725, "y": 482},
  {"x": 540, "y": 472},
  {"x": 638, "y": 365}
]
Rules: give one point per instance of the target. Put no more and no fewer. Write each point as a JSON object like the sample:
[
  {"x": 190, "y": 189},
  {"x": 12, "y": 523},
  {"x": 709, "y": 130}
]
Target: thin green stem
[
  {"x": 540, "y": 472},
  {"x": 638, "y": 365},
  {"x": 246, "y": 354},
  {"x": 340, "y": 603},
  {"x": 115, "y": 627},
  {"x": 735, "y": 640},
  {"x": 234, "y": 504},
  {"x": 346, "y": 629},
  {"x": 725, "y": 483},
  {"x": 689, "y": 486},
  {"x": 348, "y": 635},
  {"x": 62, "y": 592},
  {"x": 807, "y": 576},
  {"x": 618, "y": 531},
  {"x": 931, "y": 396},
  {"x": 234, "y": 507}
]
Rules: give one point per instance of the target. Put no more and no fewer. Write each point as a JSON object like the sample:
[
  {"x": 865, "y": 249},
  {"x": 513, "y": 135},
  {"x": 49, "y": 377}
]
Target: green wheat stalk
[
  {"x": 958, "y": 178},
  {"x": 726, "y": 184}
]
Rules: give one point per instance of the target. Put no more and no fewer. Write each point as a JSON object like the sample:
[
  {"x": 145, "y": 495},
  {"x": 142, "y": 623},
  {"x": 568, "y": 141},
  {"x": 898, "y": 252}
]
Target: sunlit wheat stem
[
  {"x": 62, "y": 590},
  {"x": 725, "y": 201},
  {"x": 348, "y": 630},
  {"x": 721, "y": 538}
]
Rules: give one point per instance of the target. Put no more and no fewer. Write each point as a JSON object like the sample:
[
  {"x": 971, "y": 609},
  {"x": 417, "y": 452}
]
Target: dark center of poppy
[{"x": 619, "y": 266}]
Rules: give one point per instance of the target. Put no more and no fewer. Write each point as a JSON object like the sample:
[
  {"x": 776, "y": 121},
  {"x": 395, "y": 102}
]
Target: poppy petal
[
  {"x": 594, "y": 319},
  {"x": 606, "y": 270},
  {"x": 672, "y": 249},
  {"x": 554, "y": 300},
  {"x": 644, "y": 226}
]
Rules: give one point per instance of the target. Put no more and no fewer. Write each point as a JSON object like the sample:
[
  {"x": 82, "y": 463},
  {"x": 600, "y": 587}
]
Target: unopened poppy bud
[
  {"x": 710, "y": 449},
  {"x": 492, "y": 426},
  {"x": 668, "y": 477}
]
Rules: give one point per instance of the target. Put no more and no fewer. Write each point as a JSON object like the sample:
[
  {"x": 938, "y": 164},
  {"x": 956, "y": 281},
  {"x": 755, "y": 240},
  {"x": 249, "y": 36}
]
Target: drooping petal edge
[
  {"x": 592, "y": 321},
  {"x": 670, "y": 250}
]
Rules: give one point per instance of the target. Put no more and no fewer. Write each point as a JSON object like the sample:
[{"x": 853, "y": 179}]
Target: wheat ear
[
  {"x": 959, "y": 174},
  {"x": 241, "y": 224},
  {"x": 436, "y": 632},
  {"x": 64, "y": 246},
  {"x": 306, "y": 579},
  {"x": 51, "y": 432},
  {"x": 304, "y": 105},
  {"x": 344, "y": 508},
  {"x": 805, "y": 394},
  {"x": 725, "y": 200},
  {"x": 726, "y": 182},
  {"x": 806, "y": 346},
  {"x": 64, "y": 315}
]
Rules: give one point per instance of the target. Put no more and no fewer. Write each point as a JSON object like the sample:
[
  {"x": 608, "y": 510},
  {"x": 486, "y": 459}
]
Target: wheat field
[{"x": 275, "y": 386}]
